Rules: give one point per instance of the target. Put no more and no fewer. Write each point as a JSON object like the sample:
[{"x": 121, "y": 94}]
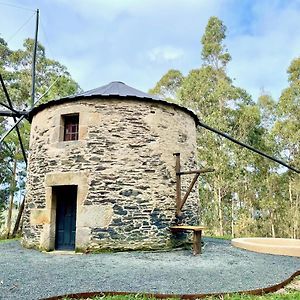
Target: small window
[{"x": 71, "y": 127}]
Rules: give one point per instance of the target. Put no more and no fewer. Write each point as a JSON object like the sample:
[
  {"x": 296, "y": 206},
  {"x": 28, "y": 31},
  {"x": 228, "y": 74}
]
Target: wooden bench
[{"x": 197, "y": 232}]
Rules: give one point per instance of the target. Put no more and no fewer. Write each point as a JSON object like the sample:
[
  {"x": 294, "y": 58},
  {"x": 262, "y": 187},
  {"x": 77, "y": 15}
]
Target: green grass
[
  {"x": 224, "y": 237},
  {"x": 288, "y": 296},
  {"x": 9, "y": 240},
  {"x": 123, "y": 297}
]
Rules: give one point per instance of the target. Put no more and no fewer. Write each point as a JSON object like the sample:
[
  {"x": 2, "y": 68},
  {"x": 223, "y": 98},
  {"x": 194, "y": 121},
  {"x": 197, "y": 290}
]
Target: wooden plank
[
  {"x": 201, "y": 171},
  {"x": 187, "y": 227},
  {"x": 188, "y": 191}
]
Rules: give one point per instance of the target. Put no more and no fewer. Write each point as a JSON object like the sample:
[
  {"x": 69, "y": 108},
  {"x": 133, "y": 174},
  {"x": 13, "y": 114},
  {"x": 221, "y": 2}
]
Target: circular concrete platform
[{"x": 278, "y": 246}]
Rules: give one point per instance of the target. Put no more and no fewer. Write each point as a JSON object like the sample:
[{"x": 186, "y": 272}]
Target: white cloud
[
  {"x": 112, "y": 9},
  {"x": 262, "y": 53},
  {"x": 165, "y": 53},
  {"x": 139, "y": 41}
]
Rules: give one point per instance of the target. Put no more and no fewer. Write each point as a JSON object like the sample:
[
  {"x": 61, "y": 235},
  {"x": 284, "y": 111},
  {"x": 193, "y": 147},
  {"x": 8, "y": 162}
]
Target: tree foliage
[
  {"x": 248, "y": 194},
  {"x": 214, "y": 52},
  {"x": 287, "y": 125},
  {"x": 168, "y": 85},
  {"x": 18, "y": 75},
  {"x": 15, "y": 68}
]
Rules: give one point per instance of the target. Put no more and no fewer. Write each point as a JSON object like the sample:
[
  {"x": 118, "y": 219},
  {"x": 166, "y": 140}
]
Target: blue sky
[{"x": 137, "y": 41}]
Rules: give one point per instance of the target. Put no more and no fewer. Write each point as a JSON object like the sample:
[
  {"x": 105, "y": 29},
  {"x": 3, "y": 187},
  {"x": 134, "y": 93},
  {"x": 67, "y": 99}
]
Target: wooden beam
[
  {"x": 197, "y": 242},
  {"x": 180, "y": 203},
  {"x": 15, "y": 119},
  {"x": 188, "y": 191},
  {"x": 201, "y": 171},
  {"x": 178, "y": 184},
  {"x": 8, "y": 113}
]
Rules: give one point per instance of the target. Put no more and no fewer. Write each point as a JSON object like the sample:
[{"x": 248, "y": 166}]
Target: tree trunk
[
  {"x": 292, "y": 224},
  {"x": 272, "y": 224},
  {"x": 18, "y": 220},
  {"x": 297, "y": 217},
  {"x": 232, "y": 218},
  {"x": 11, "y": 198},
  {"x": 220, "y": 213}
]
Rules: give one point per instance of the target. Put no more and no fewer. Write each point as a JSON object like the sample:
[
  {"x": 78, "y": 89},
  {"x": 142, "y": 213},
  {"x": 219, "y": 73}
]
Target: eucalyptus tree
[
  {"x": 47, "y": 70},
  {"x": 219, "y": 103},
  {"x": 287, "y": 132},
  {"x": 247, "y": 194},
  {"x": 287, "y": 126},
  {"x": 168, "y": 86}
]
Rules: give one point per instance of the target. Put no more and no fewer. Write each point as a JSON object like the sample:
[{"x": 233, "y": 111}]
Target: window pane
[{"x": 71, "y": 126}]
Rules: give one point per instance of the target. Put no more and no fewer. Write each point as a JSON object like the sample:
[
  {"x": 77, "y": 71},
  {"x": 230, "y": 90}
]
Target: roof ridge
[
  {"x": 114, "y": 88},
  {"x": 107, "y": 87}
]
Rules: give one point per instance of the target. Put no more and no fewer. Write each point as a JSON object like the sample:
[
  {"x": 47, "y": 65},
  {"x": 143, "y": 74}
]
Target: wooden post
[
  {"x": 197, "y": 242},
  {"x": 178, "y": 184}
]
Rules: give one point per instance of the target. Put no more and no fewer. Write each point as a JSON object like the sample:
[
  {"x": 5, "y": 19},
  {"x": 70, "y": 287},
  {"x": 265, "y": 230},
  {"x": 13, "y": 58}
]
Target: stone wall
[{"x": 124, "y": 167}]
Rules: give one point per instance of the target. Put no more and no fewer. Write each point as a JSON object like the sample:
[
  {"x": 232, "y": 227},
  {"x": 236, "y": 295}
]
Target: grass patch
[
  {"x": 121, "y": 297},
  {"x": 288, "y": 296},
  {"x": 9, "y": 240}
]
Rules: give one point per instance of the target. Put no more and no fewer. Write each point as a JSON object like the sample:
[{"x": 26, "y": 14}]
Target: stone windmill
[{"x": 102, "y": 172}]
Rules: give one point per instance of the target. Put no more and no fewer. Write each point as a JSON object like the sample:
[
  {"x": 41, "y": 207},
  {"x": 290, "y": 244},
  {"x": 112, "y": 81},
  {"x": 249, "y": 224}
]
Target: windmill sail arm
[
  {"x": 14, "y": 118},
  {"x": 11, "y": 129},
  {"x": 8, "y": 107},
  {"x": 225, "y": 135},
  {"x": 7, "y": 113}
]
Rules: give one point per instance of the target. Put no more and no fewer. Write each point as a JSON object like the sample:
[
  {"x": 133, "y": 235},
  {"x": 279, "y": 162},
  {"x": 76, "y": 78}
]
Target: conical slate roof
[
  {"x": 113, "y": 90},
  {"x": 116, "y": 88}
]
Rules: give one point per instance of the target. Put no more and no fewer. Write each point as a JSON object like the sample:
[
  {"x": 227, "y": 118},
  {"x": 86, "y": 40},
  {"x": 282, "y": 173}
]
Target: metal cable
[{"x": 21, "y": 27}]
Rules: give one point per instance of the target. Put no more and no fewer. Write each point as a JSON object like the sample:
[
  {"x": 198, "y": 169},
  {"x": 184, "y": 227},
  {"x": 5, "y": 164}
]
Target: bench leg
[{"x": 197, "y": 242}]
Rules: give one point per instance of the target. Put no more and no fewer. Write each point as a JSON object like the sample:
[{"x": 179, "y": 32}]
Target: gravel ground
[{"x": 29, "y": 274}]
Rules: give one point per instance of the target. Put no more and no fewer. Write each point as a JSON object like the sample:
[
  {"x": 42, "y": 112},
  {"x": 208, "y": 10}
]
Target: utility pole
[
  {"x": 21, "y": 209},
  {"x": 34, "y": 58}
]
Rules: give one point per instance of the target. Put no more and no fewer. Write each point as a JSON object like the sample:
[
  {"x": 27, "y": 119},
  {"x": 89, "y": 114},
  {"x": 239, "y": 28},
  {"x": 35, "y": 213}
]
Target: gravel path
[{"x": 29, "y": 274}]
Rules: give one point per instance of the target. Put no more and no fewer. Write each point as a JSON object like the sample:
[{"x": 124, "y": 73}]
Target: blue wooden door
[{"x": 65, "y": 217}]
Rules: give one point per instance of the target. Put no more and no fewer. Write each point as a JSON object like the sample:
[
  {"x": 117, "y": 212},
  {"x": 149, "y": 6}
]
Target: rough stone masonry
[{"x": 124, "y": 169}]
